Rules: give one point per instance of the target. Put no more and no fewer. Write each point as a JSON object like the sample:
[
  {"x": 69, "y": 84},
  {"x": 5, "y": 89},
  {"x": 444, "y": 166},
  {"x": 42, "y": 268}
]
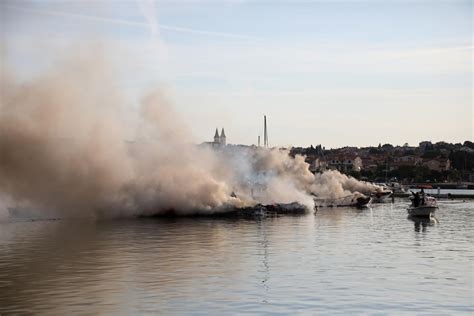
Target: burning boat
[
  {"x": 263, "y": 210},
  {"x": 381, "y": 195},
  {"x": 255, "y": 211},
  {"x": 277, "y": 209},
  {"x": 354, "y": 200}
]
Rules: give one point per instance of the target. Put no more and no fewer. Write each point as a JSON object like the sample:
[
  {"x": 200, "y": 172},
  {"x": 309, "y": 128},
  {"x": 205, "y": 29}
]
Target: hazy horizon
[{"x": 355, "y": 73}]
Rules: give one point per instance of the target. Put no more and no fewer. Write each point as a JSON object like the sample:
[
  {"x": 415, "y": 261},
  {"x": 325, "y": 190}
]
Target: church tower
[
  {"x": 223, "y": 138},
  {"x": 217, "y": 139}
]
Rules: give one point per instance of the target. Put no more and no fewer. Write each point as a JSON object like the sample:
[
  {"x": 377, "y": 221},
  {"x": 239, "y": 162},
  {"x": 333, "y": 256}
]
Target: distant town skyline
[{"x": 355, "y": 73}]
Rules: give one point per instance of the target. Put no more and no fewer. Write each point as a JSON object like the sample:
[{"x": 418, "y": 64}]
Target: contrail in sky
[{"x": 131, "y": 23}]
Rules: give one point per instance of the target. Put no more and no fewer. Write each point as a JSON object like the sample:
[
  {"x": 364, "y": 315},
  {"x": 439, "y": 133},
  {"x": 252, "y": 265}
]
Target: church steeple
[
  {"x": 223, "y": 138},
  {"x": 216, "y": 137}
]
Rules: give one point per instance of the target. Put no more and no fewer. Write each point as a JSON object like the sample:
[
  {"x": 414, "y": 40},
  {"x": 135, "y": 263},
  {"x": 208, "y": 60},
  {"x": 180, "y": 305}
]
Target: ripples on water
[{"x": 339, "y": 261}]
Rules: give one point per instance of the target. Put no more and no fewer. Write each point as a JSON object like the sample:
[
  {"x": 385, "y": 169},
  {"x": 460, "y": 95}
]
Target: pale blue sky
[{"x": 331, "y": 72}]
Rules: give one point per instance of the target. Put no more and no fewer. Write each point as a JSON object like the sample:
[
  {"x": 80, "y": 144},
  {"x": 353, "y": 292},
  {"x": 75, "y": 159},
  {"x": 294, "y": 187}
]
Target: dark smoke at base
[{"x": 63, "y": 151}]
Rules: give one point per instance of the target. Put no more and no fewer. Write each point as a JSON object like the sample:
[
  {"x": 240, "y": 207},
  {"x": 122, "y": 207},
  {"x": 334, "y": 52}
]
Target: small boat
[
  {"x": 380, "y": 196},
  {"x": 398, "y": 189},
  {"x": 287, "y": 208},
  {"x": 424, "y": 207},
  {"x": 358, "y": 200},
  {"x": 363, "y": 201}
]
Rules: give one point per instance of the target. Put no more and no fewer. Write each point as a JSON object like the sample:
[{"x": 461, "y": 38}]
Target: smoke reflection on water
[{"x": 95, "y": 260}]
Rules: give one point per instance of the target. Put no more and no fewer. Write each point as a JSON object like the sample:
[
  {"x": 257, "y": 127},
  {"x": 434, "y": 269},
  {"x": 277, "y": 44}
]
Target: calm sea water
[{"x": 339, "y": 261}]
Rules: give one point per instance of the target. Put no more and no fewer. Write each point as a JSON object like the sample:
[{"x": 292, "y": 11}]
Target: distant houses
[
  {"x": 439, "y": 165},
  {"x": 344, "y": 163},
  {"x": 353, "y": 162},
  {"x": 429, "y": 161},
  {"x": 425, "y": 145}
]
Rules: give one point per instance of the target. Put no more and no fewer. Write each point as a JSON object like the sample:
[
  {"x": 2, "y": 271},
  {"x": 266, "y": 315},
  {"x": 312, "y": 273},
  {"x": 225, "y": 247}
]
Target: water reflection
[
  {"x": 95, "y": 260},
  {"x": 421, "y": 223},
  {"x": 231, "y": 266},
  {"x": 265, "y": 260}
]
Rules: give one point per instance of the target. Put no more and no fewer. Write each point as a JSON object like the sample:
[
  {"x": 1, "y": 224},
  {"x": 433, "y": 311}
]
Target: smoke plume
[{"x": 65, "y": 149}]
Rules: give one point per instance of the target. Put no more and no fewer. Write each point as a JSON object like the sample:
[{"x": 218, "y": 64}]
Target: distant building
[
  {"x": 370, "y": 164},
  {"x": 219, "y": 140},
  {"x": 344, "y": 163},
  {"x": 426, "y": 145},
  {"x": 318, "y": 164},
  {"x": 222, "y": 139},
  {"x": 407, "y": 160},
  {"x": 438, "y": 164}
]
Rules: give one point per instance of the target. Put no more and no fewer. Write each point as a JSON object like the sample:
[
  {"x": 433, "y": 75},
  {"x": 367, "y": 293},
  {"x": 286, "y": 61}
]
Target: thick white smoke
[
  {"x": 63, "y": 150},
  {"x": 332, "y": 185}
]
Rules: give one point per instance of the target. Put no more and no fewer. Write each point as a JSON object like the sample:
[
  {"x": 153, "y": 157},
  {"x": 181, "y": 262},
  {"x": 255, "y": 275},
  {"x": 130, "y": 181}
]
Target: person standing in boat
[
  {"x": 416, "y": 199},
  {"x": 422, "y": 193}
]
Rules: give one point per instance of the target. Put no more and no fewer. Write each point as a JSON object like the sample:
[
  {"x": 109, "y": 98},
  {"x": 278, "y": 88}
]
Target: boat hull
[
  {"x": 381, "y": 197},
  {"x": 348, "y": 201},
  {"x": 422, "y": 211}
]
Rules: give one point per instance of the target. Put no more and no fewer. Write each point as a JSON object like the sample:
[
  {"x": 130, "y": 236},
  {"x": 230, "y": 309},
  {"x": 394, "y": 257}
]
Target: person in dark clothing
[
  {"x": 422, "y": 193},
  {"x": 416, "y": 200}
]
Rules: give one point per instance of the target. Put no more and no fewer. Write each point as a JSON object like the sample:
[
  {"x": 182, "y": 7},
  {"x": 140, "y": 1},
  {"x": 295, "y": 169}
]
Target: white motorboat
[
  {"x": 381, "y": 195},
  {"x": 424, "y": 206},
  {"x": 398, "y": 189},
  {"x": 354, "y": 200}
]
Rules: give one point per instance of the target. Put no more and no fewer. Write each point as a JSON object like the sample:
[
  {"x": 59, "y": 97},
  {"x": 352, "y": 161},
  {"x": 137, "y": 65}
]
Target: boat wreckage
[
  {"x": 255, "y": 211},
  {"x": 354, "y": 200},
  {"x": 260, "y": 210},
  {"x": 269, "y": 210}
]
